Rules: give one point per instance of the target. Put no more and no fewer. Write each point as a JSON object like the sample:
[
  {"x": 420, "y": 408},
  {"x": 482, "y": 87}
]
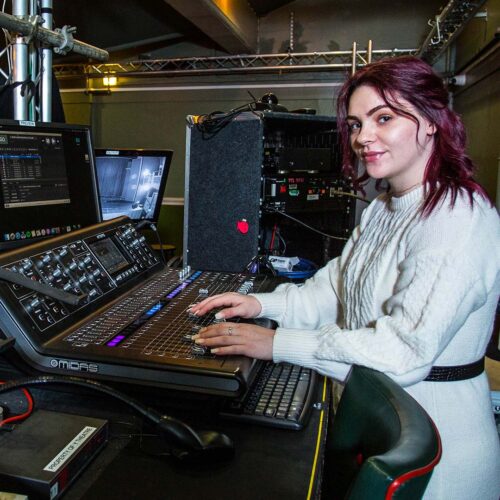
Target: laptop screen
[
  {"x": 131, "y": 182},
  {"x": 47, "y": 181}
]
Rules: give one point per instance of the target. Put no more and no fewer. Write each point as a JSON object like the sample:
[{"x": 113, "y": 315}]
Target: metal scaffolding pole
[
  {"x": 33, "y": 63},
  {"x": 20, "y": 64},
  {"x": 26, "y": 29},
  {"x": 46, "y": 90},
  {"x": 256, "y": 63},
  {"x": 61, "y": 39}
]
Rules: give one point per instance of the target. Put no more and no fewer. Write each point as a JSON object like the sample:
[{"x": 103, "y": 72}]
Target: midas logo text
[{"x": 76, "y": 366}]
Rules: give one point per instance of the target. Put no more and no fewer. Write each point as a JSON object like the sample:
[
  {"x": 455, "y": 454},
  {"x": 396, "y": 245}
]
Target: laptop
[{"x": 131, "y": 182}]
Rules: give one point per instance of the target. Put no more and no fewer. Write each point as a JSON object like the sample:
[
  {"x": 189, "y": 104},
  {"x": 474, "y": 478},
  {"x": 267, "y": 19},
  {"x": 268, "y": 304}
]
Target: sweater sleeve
[
  {"x": 322, "y": 293},
  {"x": 442, "y": 279},
  {"x": 285, "y": 304}
]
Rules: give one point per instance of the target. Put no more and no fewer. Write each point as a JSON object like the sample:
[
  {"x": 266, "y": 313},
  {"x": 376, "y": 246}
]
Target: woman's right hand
[{"x": 234, "y": 305}]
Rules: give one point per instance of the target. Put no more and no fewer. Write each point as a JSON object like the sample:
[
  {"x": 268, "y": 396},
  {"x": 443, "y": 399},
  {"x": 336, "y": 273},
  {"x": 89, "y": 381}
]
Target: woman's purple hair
[{"x": 449, "y": 169}]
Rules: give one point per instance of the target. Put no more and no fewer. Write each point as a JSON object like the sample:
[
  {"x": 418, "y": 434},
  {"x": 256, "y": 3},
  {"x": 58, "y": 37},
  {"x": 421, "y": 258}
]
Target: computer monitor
[
  {"x": 47, "y": 181},
  {"x": 131, "y": 182}
]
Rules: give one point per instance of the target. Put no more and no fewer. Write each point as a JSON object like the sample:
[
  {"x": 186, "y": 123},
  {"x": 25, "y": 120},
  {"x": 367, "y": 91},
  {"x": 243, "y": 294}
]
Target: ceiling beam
[
  {"x": 140, "y": 47},
  {"x": 232, "y": 24}
]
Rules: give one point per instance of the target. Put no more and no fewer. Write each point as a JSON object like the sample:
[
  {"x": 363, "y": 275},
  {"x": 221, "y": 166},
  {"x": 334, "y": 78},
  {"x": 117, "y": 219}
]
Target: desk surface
[{"x": 268, "y": 463}]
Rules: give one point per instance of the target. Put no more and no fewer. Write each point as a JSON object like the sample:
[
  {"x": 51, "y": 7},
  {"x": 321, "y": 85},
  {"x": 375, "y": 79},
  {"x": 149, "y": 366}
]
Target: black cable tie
[{"x": 28, "y": 87}]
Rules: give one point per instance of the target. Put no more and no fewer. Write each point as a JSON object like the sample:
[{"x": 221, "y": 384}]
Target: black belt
[{"x": 455, "y": 373}]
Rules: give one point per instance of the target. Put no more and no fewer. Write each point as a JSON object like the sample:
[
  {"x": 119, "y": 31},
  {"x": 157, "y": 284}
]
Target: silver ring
[{"x": 230, "y": 331}]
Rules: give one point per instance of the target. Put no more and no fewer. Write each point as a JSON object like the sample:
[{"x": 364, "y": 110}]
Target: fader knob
[
  {"x": 199, "y": 350},
  {"x": 34, "y": 303},
  {"x": 27, "y": 264}
]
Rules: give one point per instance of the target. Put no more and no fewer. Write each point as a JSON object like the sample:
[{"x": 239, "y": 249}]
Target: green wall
[{"x": 479, "y": 107}]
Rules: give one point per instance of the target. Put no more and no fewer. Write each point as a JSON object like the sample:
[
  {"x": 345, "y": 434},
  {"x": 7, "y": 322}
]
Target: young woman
[{"x": 417, "y": 284}]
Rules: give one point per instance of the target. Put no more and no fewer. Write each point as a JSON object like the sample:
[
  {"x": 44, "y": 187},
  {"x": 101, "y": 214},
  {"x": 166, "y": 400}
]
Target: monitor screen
[
  {"x": 131, "y": 182},
  {"x": 47, "y": 181}
]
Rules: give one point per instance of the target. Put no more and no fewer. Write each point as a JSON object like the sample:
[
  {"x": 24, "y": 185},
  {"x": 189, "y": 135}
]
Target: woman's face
[{"x": 387, "y": 143}]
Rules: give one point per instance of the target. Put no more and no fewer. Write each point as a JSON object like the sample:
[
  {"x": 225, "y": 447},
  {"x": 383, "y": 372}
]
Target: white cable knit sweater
[{"x": 409, "y": 293}]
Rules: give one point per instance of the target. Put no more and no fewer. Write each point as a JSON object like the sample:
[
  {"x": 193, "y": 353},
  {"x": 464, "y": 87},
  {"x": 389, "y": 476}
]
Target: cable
[
  {"x": 322, "y": 431},
  {"x": 6, "y": 50},
  {"x": 274, "y": 210},
  {"x": 184, "y": 436},
  {"x": 22, "y": 416},
  {"x": 346, "y": 193},
  {"x": 284, "y": 243},
  {"x": 155, "y": 230},
  {"x": 152, "y": 226},
  {"x": 255, "y": 264},
  {"x": 271, "y": 245},
  {"x": 214, "y": 122}
]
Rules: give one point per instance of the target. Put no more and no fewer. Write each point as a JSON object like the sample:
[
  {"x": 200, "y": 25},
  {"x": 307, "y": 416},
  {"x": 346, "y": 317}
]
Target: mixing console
[{"x": 98, "y": 302}]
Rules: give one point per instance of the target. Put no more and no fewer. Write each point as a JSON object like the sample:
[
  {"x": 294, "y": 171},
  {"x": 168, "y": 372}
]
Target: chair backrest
[{"x": 383, "y": 444}]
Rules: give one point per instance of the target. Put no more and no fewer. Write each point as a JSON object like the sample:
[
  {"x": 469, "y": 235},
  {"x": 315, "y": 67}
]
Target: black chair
[{"x": 383, "y": 445}]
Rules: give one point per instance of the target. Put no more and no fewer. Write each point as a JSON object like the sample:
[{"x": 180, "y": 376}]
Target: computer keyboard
[{"x": 281, "y": 396}]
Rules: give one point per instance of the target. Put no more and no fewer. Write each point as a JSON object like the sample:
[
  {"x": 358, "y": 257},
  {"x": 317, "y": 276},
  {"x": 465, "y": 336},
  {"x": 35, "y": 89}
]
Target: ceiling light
[{"x": 109, "y": 81}]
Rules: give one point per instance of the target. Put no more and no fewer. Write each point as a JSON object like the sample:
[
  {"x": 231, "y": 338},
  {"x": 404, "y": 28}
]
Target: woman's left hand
[{"x": 237, "y": 338}]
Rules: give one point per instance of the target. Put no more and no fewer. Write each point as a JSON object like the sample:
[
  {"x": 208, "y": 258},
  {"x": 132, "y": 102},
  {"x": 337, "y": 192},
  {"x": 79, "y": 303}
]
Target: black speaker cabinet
[
  {"x": 254, "y": 166},
  {"x": 222, "y": 195}
]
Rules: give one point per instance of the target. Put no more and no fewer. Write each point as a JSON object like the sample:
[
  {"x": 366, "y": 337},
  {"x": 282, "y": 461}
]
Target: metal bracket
[
  {"x": 35, "y": 22},
  {"x": 68, "y": 42},
  {"x": 435, "y": 25}
]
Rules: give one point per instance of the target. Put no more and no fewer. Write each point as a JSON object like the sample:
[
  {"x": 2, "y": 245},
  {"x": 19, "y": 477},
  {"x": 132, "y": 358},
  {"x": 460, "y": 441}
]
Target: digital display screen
[
  {"x": 47, "y": 181},
  {"x": 33, "y": 169},
  {"x": 108, "y": 255},
  {"x": 132, "y": 182}
]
